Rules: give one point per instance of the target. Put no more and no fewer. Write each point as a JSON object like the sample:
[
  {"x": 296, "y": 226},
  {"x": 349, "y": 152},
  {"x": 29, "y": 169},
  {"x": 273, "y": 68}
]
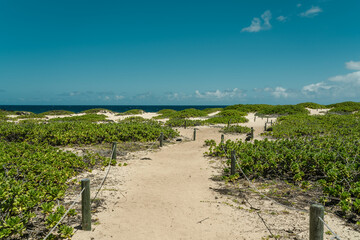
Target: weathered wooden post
[
  {"x": 265, "y": 127},
  {"x": 229, "y": 122},
  {"x": 85, "y": 205},
  {"x": 271, "y": 122},
  {"x": 316, "y": 225},
  {"x": 222, "y": 138},
  {"x": 185, "y": 124},
  {"x": 267, "y": 119},
  {"x": 161, "y": 139},
  {"x": 194, "y": 134},
  {"x": 232, "y": 170},
  {"x": 252, "y": 133},
  {"x": 113, "y": 156}
]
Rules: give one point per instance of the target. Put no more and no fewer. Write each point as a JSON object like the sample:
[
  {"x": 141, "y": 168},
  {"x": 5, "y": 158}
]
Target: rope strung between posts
[
  {"x": 335, "y": 235},
  {"x": 153, "y": 144},
  {"x": 71, "y": 206},
  {"x": 263, "y": 195},
  {"x": 107, "y": 173}
]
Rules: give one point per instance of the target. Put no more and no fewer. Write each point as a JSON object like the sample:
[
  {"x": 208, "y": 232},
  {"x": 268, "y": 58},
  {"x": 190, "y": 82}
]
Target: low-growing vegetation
[
  {"x": 309, "y": 151},
  {"x": 96, "y": 110},
  {"x": 236, "y": 129},
  {"x": 132, "y": 112}
]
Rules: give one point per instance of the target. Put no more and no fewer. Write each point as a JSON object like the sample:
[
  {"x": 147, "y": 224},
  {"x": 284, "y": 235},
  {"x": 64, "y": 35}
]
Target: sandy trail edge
[{"x": 170, "y": 195}]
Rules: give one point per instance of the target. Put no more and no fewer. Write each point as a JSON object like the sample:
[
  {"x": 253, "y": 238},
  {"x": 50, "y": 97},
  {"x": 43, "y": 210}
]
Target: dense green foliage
[
  {"x": 56, "y": 112},
  {"x": 82, "y": 118},
  {"x": 187, "y": 113},
  {"x": 344, "y": 107},
  {"x": 311, "y": 105},
  {"x": 231, "y": 113},
  {"x": 180, "y": 122},
  {"x": 236, "y": 129},
  {"x": 211, "y": 110},
  {"x": 226, "y": 119},
  {"x": 70, "y": 133},
  {"x": 30, "y": 176},
  {"x": 96, "y": 110},
  {"x": 309, "y": 149},
  {"x": 283, "y": 110},
  {"x": 132, "y": 112},
  {"x": 248, "y": 107}
]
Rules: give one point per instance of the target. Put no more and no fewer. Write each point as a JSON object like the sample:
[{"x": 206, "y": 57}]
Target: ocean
[{"x": 115, "y": 108}]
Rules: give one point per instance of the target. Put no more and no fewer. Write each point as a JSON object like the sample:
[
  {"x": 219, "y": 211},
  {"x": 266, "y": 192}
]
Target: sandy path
[{"x": 170, "y": 195}]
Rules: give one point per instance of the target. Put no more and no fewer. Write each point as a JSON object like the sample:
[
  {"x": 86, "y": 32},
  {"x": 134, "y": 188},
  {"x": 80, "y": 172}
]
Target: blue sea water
[{"x": 115, "y": 108}]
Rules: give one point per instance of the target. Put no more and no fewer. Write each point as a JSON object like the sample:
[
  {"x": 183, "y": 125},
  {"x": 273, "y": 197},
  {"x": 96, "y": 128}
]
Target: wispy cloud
[
  {"x": 258, "y": 25},
  {"x": 353, "y": 77},
  {"x": 337, "y": 87},
  {"x": 352, "y": 65},
  {"x": 298, "y": 5},
  {"x": 315, "y": 87},
  {"x": 234, "y": 93},
  {"x": 91, "y": 95},
  {"x": 278, "y": 92},
  {"x": 281, "y": 18},
  {"x": 312, "y": 12}
]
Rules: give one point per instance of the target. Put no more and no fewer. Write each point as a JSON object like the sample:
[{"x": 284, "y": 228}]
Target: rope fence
[
  {"x": 85, "y": 193},
  {"x": 316, "y": 211}
]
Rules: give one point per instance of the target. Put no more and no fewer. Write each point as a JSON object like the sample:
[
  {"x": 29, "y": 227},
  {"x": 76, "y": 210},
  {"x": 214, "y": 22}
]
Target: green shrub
[
  {"x": 132, "y": 112},
  {"x": 83, "y": 118},
  {"x": 344, "y": 107},
  {"x": 225, "y": 120},
  {"x": 248, "y": 107},
  {"x": 180, "y": 122},
  {"x": 311, "y": 105},
  {"x": 56, "y": 112},
  {"x": 96, "y": 110},
  {"x": 236, "y": 129},
  {"x": 283, "y": 110},
  {"x": 231, "y": 113}
]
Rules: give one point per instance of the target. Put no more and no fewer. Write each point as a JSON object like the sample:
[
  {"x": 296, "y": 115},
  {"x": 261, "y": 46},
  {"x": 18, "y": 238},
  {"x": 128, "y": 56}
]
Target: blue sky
[{"x": 179, "y": 52}]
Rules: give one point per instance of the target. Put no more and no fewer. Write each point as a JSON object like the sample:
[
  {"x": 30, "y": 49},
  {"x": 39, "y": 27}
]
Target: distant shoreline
[{"x": 115, "y": 108}]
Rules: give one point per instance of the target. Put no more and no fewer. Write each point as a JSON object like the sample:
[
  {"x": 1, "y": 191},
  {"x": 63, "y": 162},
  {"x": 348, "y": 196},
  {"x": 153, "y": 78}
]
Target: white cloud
[
  {"x": 281, "y": 18},
  {"x": 353, "y": 77},
  {"x": 119, "y": 97},
  {"x": 257, "y": 25},
  {"x": 266, "y": 16},
  {"x": 278, "y": 92},
  {"x": 315, "y": 87},
  {"x": 312, "y": 12},
  {"x": 353, "y": 65},
  {"x": 298, "y": 5},
  {"x": 234, "y": 93}
]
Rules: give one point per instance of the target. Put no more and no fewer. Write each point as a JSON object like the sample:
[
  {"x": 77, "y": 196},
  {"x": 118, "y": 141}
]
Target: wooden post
[
  {"x": 265, "y": 127},
  {"x": 222, "y": 138},
  {"x": 85, "y": 205},
  {"x": 255, "y": 119},
  {"x": 113, "y": 156},
  {"x": 267, "y": 119},
  {"x": 316, "y": 226},
  {"x": 232, "y": 170},
  {"x": 194, "y": 134},
  {"x": 229, "y": 122},
  {"x": 271, "y": 122},
  {"x": 185, "y": 124},
  {"x": 252, "y": 132},
  {"x": 161, "y": 139}
]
